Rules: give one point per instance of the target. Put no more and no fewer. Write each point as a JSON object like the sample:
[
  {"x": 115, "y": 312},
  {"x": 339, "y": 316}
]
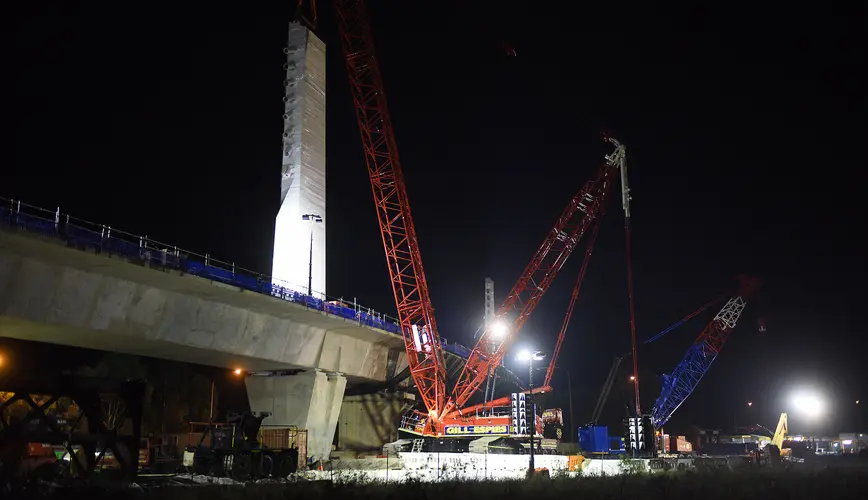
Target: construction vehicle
[
  {"x": 644, "y": 432},
  {"x": 553, "y": 424},
  {"x": 236, "y": 450},
  {"x": 774, "y": 452},
  {"x": 678, "y": 385}
]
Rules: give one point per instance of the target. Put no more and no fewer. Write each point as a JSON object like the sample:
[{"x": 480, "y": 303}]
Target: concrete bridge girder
[{"x": 55, "y": 294}]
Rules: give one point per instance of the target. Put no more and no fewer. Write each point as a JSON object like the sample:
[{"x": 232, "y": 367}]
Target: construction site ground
[{"x": 836, "y": 480}]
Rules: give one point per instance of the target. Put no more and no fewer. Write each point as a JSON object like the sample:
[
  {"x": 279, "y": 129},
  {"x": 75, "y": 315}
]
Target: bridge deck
[{"x": 19, "y": 245}]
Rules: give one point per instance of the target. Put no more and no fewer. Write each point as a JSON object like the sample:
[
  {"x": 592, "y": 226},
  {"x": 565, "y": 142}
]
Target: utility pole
[
  {"x": 313, "y": 218},
  {"x": 531, "y": 407},
  {"x": 487, "y": 323},
  {"x": 211, "y": 406},
  {"x": 570, "y": 392}
]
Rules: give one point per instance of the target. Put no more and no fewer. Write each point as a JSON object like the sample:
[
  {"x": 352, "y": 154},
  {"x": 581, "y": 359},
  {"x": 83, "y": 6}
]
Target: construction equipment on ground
[
  {"x": 773, "y": 452},
  {"x": 239, "y": 448},
  {"x": 643, "y": 432}
]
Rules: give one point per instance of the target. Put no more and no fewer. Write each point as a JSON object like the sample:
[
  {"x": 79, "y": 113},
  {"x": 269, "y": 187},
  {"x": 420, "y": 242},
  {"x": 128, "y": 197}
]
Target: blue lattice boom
[{"x": 679, "y": 384}]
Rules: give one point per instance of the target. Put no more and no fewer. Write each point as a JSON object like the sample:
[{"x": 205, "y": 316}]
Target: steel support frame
[
  {"x": 404, "y": 261},
  {"x": 39, "y": 426}
]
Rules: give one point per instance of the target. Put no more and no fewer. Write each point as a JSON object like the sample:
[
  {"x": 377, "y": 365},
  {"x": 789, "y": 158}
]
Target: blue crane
[{"x": 679, "y": 384}]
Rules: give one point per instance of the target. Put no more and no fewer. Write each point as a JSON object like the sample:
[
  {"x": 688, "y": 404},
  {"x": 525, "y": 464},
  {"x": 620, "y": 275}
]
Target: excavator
[{"x": 775, "y": 451}]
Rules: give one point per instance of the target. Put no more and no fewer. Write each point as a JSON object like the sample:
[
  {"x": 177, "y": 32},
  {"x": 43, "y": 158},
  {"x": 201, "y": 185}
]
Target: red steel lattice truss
[
  {"x": 571, "y": 226},
  {"x": 415, "y": 312}
]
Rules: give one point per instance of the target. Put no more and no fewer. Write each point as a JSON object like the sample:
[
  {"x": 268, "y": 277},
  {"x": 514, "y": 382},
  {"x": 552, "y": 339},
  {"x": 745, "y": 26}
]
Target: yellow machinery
[{"x": 780, "y": 435}]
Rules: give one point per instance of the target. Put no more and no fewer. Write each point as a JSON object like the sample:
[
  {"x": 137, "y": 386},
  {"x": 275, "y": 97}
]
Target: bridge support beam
[{"x": 309, "y": 400}]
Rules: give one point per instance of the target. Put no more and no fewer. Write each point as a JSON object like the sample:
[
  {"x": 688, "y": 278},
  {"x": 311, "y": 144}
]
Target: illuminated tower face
[{"x": 303, "y": 177}]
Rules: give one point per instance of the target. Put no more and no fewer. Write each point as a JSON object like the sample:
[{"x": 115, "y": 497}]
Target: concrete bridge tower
[{"x": 299, "y": 259}]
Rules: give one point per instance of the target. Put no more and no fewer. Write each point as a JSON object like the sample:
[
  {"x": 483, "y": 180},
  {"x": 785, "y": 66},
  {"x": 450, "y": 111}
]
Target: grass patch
[{"x": 827, "y": 483}]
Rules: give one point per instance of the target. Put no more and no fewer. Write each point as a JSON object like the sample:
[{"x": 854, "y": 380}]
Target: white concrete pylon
[{"x": 303, "y": 176}]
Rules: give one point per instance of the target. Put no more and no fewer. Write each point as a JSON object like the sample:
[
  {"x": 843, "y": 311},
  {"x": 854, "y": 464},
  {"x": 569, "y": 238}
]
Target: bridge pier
[
  {"x": 309, "y": 400},
  {"x": 369, "y": 421}
]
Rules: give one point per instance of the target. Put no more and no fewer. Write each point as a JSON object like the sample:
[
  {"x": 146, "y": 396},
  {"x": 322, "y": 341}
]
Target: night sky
[{"x": 745, "y": 133}]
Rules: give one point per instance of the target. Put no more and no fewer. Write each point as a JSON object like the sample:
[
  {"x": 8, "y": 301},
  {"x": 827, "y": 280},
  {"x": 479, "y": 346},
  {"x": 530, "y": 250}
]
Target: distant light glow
[
  {"x": 750, "y": 403},
  {"x": 808, "y": 404},
  {"x": 238, "y": 371},
  {"x": 847, "y": 442},
  {"x": 632, "y": 378}
]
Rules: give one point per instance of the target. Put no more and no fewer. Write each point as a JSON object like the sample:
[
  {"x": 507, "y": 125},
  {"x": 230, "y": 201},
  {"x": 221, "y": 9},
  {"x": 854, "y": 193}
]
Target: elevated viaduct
[
  {"x": 70, "y": 283},
  {"x": 52, "y": 293}
]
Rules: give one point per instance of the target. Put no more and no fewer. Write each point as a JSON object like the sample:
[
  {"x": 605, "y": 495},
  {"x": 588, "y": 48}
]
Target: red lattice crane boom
[
  {"x": 570, "y": 227},
  {"x": 415, "y": 312},
  {"x": 573, "y": 298}
]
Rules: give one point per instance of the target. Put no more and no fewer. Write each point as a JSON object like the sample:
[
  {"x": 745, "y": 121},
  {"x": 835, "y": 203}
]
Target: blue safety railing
[{"x": 84, "y": 235}]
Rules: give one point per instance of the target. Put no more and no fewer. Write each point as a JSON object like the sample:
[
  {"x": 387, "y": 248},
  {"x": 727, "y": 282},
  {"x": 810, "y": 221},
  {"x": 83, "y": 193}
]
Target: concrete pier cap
[{"x": 310, "y": 400}]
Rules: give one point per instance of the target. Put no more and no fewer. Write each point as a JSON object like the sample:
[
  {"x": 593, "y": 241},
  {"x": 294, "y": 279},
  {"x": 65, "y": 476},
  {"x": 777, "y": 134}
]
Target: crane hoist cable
[{"x": 562, "y": 334}]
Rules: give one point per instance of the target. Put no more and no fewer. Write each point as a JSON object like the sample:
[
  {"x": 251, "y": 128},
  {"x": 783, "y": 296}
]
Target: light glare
[
  {"x": 527, "y": 355},
  {"x": 808, "y": 404},
  {"x": 499, "y": 329}
]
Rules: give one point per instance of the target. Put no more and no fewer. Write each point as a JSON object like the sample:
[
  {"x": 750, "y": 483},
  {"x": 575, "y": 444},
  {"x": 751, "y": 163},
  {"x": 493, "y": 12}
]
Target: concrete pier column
[
  {"x": 369, "y": 421},
  {"x": 309, "y": 400}
]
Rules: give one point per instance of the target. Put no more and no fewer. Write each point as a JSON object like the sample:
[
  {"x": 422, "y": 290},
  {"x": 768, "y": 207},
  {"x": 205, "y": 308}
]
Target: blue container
[
  {"x": 616, "y": 444},
  {"x": 594, "y": 439}
]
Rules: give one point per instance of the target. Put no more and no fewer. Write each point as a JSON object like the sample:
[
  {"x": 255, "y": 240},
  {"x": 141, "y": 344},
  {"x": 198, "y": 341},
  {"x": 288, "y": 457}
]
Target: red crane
[
  {"x": 583, "y": 209},
  {"x": 413, "y": 303}
]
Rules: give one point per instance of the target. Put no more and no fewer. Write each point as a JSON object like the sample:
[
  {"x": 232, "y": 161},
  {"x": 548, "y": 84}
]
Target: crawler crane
[{"x": 445, "y": 413}]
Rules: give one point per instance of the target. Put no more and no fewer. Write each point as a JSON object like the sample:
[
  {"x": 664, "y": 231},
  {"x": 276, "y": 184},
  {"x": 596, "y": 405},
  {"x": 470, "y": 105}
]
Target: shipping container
[{"x": 594, "y": 439}]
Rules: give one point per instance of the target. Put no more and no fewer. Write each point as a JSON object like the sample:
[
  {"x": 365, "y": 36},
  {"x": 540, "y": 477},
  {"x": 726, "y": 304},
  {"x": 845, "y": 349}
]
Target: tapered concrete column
[
  {"x": 309, "y": 400},
  {"x": 369, "y": 421}
]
